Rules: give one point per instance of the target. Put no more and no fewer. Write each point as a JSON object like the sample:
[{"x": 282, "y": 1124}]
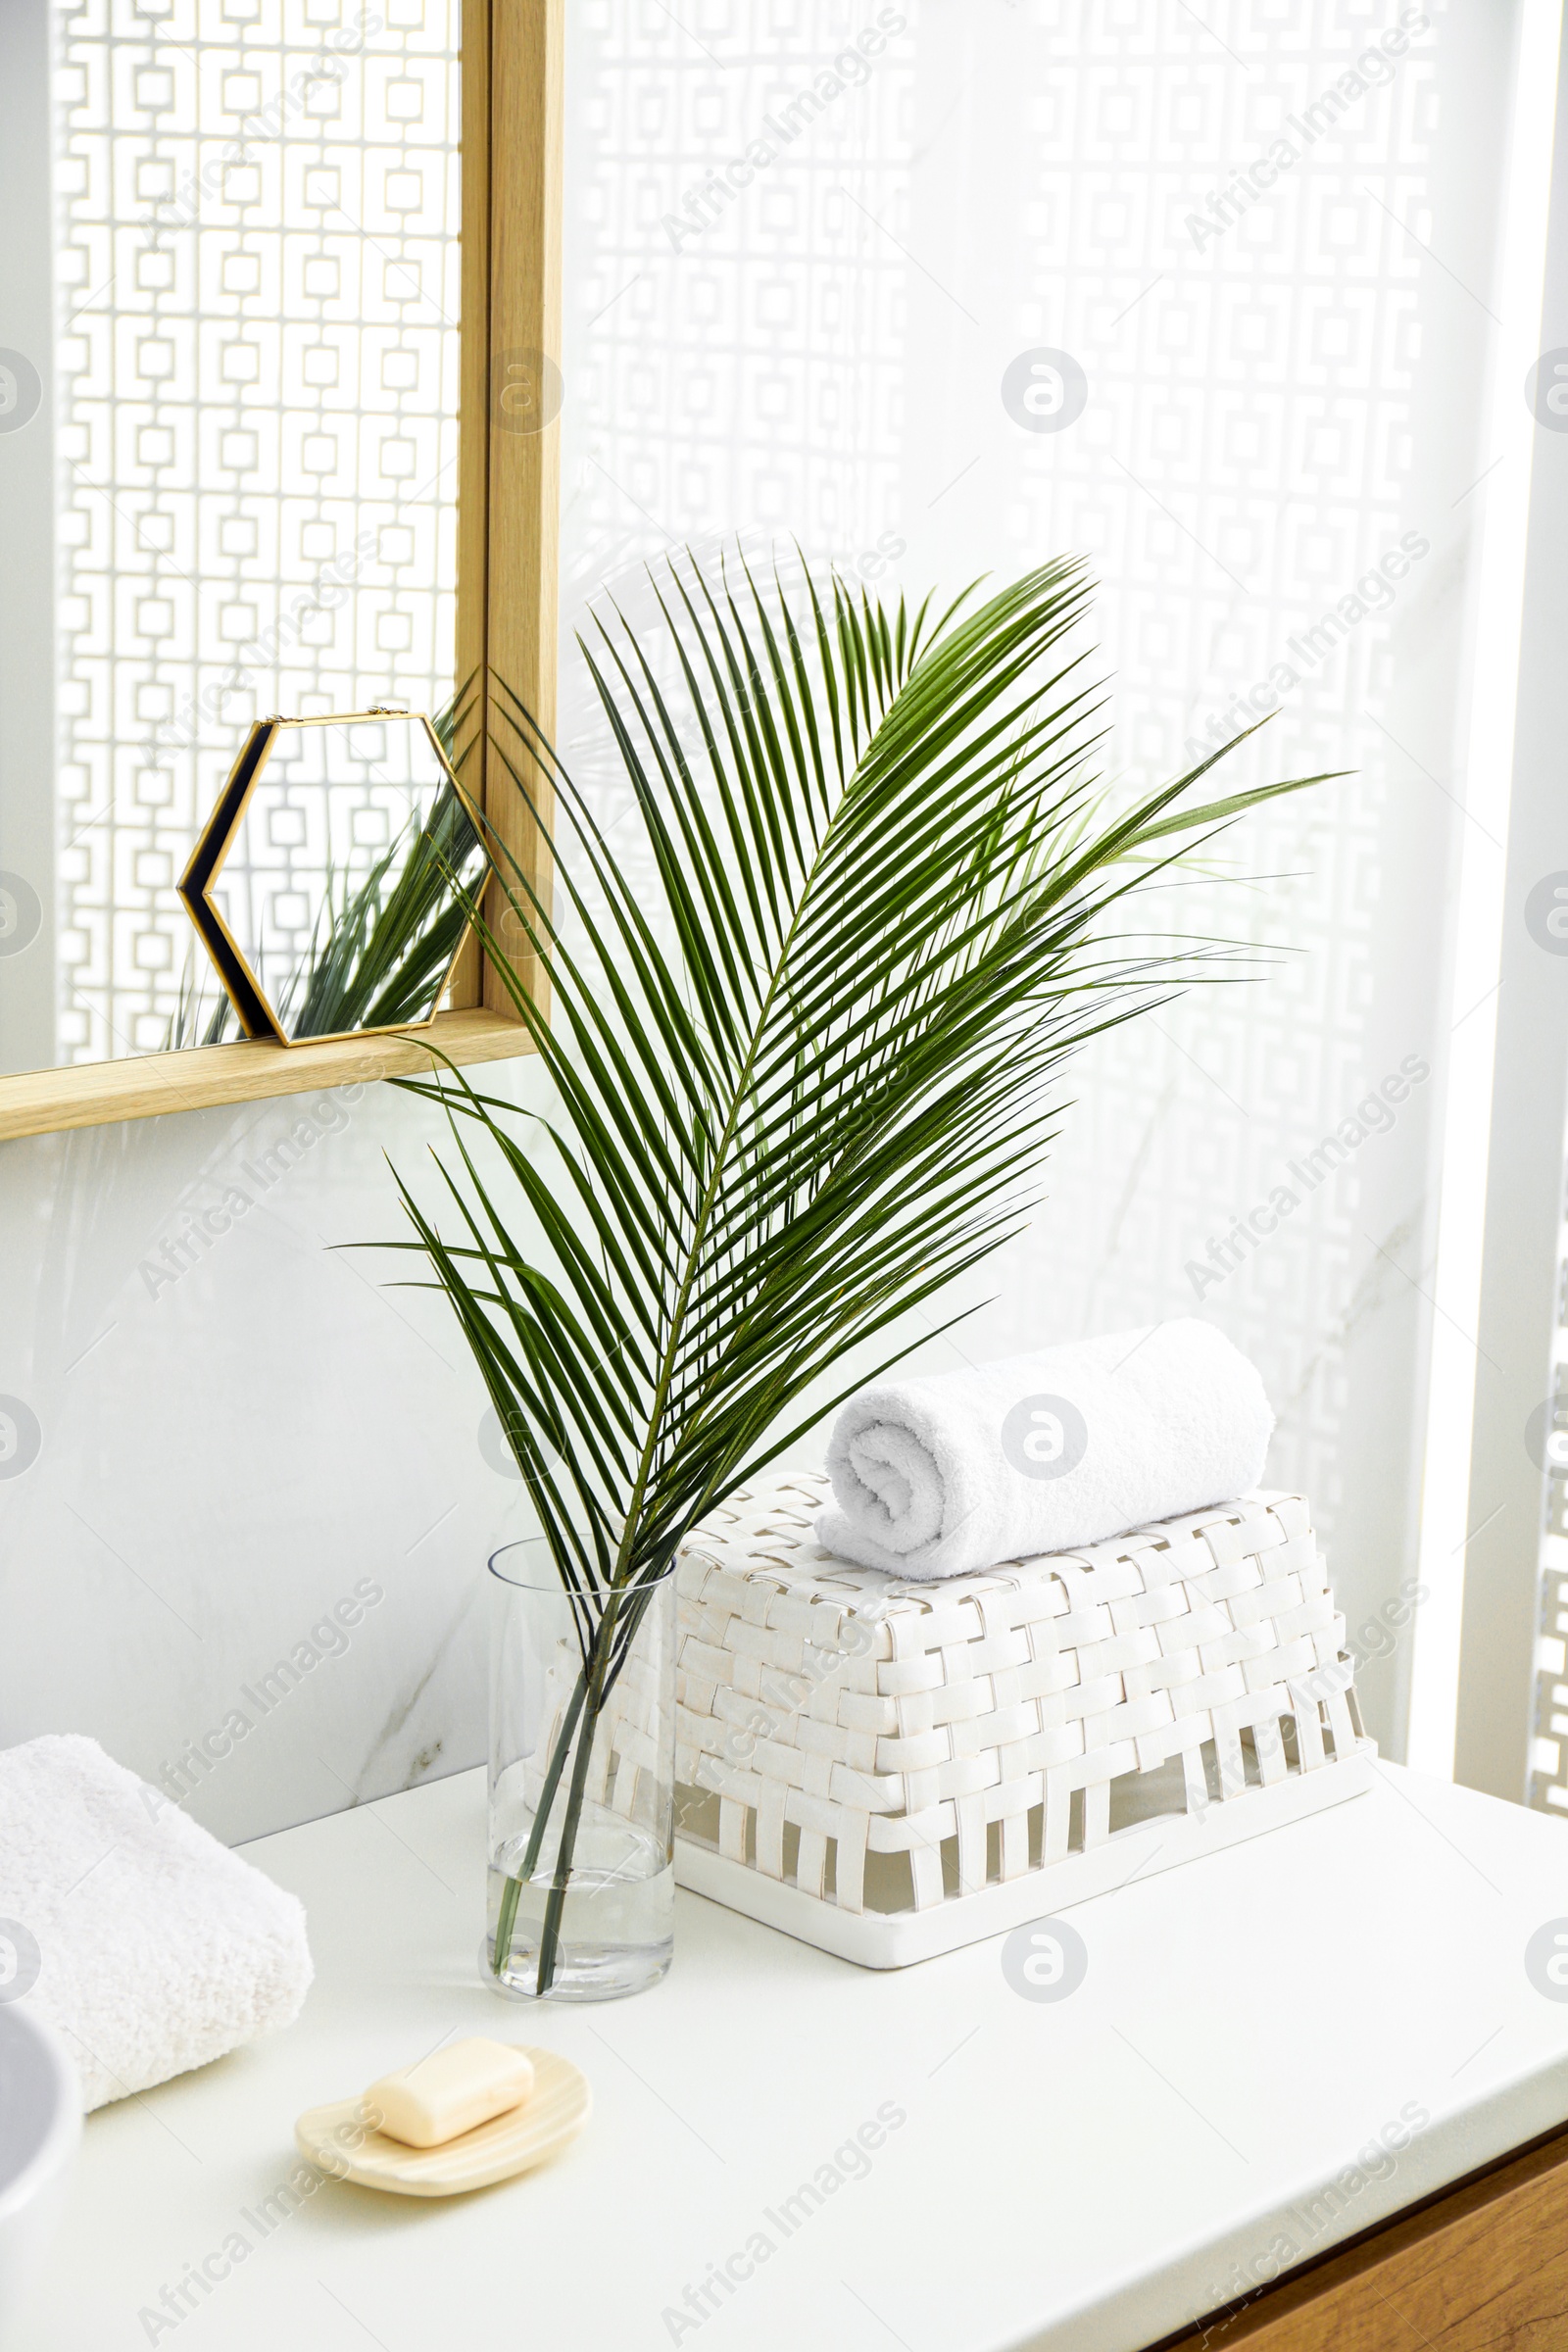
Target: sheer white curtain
[{"x": 1207, "y": 296}]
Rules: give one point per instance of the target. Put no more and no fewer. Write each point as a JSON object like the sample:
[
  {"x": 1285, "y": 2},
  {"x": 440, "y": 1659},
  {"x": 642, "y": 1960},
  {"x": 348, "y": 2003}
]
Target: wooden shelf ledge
[{"x": 149, "y": 1085}]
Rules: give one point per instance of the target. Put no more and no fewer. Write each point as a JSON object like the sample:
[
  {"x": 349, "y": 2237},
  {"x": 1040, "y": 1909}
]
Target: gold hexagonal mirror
[{"x": 334, "y": 881}]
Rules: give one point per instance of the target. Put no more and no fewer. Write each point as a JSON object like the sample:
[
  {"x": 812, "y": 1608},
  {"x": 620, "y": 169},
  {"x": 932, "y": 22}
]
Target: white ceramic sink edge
[{"x": 40, "y": 2128}]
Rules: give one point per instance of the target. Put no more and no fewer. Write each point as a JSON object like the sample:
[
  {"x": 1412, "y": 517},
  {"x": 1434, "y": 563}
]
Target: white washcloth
[
  {"x": 954, "y": 1473},
  {"x": 148, "y": 1943}
]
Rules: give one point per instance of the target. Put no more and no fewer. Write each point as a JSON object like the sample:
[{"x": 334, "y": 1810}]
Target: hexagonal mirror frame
[{"x": 243, "y": 987}]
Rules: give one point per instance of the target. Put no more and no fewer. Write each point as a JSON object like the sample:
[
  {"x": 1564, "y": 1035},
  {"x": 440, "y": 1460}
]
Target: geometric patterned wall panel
[
  {"x": 1245, "y": 465},
  {"x": 804, "y": 247},
  {"x": 258, "y": 208},
  {"x": 735, "y": 352}
]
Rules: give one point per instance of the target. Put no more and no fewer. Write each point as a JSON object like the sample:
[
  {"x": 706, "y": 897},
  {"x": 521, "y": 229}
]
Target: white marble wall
[
  {"x": 233, "y": 1461},
  {"x": 225, "y": 1455}
]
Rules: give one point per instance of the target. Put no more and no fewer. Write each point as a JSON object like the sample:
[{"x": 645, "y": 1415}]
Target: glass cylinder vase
[{"x": 581, "y": 1903}]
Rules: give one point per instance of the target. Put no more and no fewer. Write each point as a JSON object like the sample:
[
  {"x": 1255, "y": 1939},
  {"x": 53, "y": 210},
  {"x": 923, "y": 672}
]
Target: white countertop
[{"x": 1085, "y": 2171}]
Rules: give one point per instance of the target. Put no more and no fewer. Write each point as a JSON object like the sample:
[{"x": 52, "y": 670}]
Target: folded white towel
[
  {"x": 958, "y": 1472},
  {"x": 124, "y": 1923}
]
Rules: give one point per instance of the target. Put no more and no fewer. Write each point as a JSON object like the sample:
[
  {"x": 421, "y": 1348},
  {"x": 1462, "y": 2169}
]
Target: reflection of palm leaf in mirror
[
  {"x": 807, "y": 1058},
  {"x": 380, "y": 955},
  {"x": 323, "y": 994},
  {"x": 200, "y": 1017}
]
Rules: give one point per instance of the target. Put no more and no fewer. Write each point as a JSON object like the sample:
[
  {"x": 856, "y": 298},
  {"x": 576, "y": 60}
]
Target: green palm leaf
[{"x": 807, "y": 1081}]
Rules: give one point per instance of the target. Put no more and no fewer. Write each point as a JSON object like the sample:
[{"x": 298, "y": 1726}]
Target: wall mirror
[
  {"x": 245, "y": 455},
  {"x": 331, "y": 886}
]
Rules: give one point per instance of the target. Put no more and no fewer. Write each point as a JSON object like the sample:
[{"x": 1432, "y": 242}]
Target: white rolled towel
[
  {"x": 130, "y": 1927},
  {"x": 947, "y": 1474}
]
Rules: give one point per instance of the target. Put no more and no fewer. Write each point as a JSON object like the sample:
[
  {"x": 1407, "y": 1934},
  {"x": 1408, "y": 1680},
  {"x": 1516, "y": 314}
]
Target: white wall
[
  {"x": 1513, "y": 1689},
  {"x": 225, "y": 1455}
]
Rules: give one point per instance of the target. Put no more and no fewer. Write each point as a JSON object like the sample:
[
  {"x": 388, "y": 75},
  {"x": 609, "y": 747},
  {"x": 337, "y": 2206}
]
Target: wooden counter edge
[{"x": 1288, "y": 2313}]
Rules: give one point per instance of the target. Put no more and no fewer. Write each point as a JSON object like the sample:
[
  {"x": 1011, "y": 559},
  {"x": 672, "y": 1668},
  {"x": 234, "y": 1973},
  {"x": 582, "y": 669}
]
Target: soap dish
[{"x": 336, "y": 2139}]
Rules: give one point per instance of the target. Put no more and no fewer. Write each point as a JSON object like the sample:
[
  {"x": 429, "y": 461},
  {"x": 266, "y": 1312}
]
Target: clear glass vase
[{"x": 581, "y": 1901}]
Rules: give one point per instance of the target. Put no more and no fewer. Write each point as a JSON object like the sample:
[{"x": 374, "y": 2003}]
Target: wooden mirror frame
[{"x": 508, "y": 504}]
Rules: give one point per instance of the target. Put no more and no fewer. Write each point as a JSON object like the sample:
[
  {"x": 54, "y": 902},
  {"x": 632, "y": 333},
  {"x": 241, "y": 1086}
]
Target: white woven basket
[{"x": 889, "y": 1770}]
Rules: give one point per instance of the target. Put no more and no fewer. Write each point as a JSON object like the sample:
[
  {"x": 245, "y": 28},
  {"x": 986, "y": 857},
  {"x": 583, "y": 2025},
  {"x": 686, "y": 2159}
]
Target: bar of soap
[{"x": 454, "y": 2091}]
